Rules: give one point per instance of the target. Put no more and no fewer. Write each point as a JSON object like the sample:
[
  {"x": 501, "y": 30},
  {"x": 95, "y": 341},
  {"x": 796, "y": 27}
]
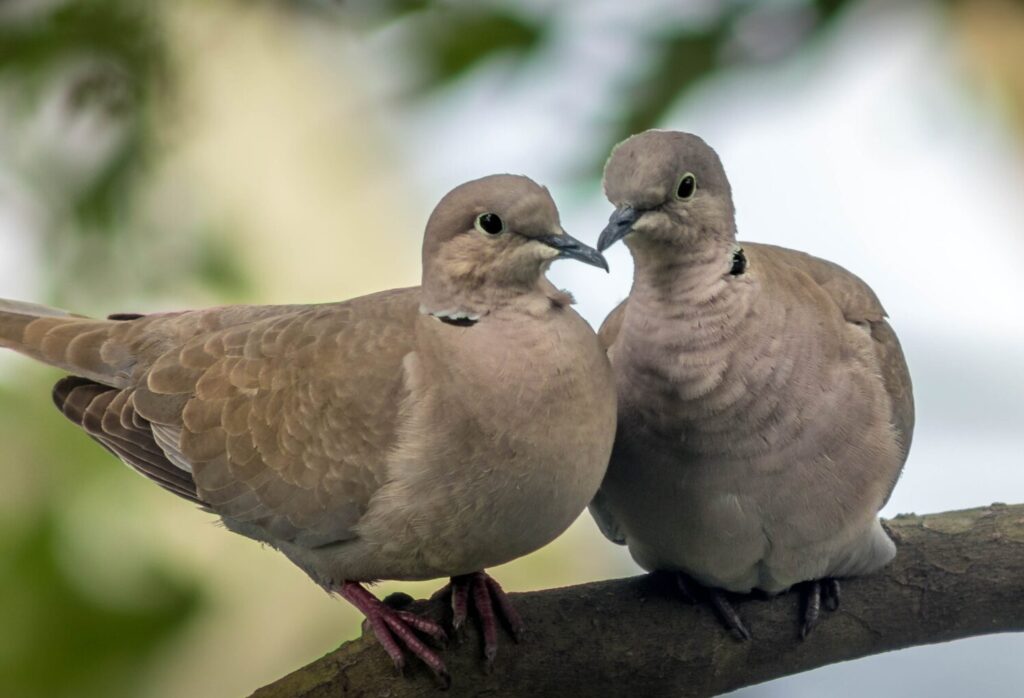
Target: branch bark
[{"x": 958, "y": 574}]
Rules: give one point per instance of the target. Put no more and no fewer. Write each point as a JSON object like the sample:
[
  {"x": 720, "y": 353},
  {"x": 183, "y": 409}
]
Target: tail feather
[
  {"x": 32, "y": 309},
  {"x": 58, "y": 338}
]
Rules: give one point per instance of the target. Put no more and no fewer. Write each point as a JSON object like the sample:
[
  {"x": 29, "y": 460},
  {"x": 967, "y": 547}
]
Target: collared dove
[
  {"x": 410, "y": 434},
  {"x": 765, "y": 408}
]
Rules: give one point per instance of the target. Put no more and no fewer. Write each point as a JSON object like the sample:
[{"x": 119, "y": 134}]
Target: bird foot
[
  {"x": 830, "y": 594},
  {"x": 719, "y": 602},
  {"x": 728, "y": 615},
  {"x": 489, "y": 601},
  {"x": 817, "y": 593},
  {"x": 394, "y": 628}
]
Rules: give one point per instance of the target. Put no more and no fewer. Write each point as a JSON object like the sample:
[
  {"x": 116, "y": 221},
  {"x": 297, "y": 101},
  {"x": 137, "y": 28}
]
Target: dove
[
  {"x": 765, "y": 406},
  {"x": 410, "y": 434}
]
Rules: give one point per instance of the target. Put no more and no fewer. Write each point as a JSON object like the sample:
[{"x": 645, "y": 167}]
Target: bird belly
[
  {"x": 501, "y": 514},
  {"x": 674, "y": 523},
  {"x": 466, "y": 491},
  {"x": 759, "y": 482},
  {"x": 739, "y": 527}
]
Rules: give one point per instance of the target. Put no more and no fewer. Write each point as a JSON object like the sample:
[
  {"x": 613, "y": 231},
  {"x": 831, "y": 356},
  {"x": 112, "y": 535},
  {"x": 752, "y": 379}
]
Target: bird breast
[{"x": 505, "y": 438}]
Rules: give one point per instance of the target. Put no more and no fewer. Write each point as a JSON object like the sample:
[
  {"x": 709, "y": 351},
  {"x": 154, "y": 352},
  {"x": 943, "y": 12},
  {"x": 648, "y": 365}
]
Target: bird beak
[
  {"x": 570, "y": 248},
  {"x": 619, "y": 226}
]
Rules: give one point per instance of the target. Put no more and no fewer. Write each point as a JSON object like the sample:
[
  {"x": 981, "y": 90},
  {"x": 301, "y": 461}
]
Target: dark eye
[
  {"x": 687, "y": 186},
  {"x": 489, "y": 223}
]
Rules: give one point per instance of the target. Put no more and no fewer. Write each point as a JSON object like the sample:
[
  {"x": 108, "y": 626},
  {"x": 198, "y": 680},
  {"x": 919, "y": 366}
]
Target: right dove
[
  {"x": 410, "y": 434},
  {"x": 765, "y": 408}
]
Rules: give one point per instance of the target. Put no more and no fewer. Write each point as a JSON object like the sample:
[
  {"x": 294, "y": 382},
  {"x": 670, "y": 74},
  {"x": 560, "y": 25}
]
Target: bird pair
[{"x": 747, "y": 409}]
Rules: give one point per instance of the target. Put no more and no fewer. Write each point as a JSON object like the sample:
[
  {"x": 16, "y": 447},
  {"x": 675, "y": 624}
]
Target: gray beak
[
  {"x": 619, "y": 226},
  {"x": 570, "y": 248}
]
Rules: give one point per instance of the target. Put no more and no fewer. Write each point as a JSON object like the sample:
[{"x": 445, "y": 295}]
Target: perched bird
[
  {"x": 410, "y": 434},
  {"x": 765, "y": 408}
]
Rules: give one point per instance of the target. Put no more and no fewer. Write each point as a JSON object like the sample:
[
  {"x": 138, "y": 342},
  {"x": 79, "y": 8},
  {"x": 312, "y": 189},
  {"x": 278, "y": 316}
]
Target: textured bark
[{"x": 957, "y": 574}]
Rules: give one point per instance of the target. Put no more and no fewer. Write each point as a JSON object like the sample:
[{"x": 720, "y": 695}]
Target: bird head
[
  {"x": 667, "y": 187},
  {"x": 497, "y": 234}
]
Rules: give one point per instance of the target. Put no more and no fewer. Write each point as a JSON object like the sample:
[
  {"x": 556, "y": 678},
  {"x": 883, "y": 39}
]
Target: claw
[
  {"x": 513, "y": 620},
  {"x": 489, "y": 601},
  {"x": 488, "y": 621},
  {"x": 830, "y": 594},
  {"x": 686, "y": 588},
  {"x": 391, "y": 627},
  {"x": 816, "y": 595},
  {"x": 811, "y": 608},
  {"x": 460, "y": 601},
  {"x": 728, "y": 615},
  {"x": 425, "y": 626},
  {"x": 692, "y": 591}
]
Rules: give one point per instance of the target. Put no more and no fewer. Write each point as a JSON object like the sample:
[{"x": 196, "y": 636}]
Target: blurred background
[{"x": 165, "y": 154}]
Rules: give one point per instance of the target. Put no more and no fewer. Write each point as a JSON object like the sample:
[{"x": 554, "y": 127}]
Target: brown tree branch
[{"x": 957, "y": 574}]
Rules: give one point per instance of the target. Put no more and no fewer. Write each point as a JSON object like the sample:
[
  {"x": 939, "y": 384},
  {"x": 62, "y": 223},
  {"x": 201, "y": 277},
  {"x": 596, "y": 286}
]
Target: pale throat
[
  {"x": 684, "y": 294},
  {"x": 470, "y": 300}
]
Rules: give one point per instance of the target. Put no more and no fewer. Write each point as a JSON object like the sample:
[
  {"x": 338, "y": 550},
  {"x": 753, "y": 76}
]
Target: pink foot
[
  {"x": 485, "y": 593},
  {"x": 392, "y": 626}
]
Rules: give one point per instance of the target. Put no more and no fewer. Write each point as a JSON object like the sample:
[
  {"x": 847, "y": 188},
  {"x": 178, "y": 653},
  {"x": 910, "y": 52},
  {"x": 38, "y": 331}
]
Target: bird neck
[
  {"x": 444, "y": 296},
  {"x": 684, "y": 310},
  {"x": 675, "y": 278}
]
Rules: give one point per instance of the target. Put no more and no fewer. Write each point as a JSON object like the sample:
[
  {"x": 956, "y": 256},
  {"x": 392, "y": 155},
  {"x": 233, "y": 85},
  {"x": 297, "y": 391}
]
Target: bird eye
[
  {"x": 489, "y": 223},
  {"x": 687, "y": 186}
]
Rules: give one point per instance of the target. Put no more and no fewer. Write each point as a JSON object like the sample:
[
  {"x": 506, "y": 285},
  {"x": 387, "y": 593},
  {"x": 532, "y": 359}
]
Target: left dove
[{"x": 415, "y": 433}]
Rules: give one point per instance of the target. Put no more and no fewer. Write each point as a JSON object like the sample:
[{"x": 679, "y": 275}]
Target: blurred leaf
[
  {"x": 118, "y": 29},
  {"x": 220, "y": 269},
  {"x": 68, "y": 644},
  {"x": 683, "y": 60},
  {"x": 453, "y": 40},
  {"x": 120, "y": 41},
  {"x": 104, "y": 201},
  {"x": 827, "y": 9},
  {"x": 58, "y": 641},
  {"x": 683, "y": 57}
]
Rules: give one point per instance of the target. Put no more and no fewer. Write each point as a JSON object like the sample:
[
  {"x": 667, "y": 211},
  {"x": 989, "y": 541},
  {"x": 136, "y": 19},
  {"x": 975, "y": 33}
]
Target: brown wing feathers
[
  {"x": 107, "y": 415},
  {"x": 252, "y": 412}
]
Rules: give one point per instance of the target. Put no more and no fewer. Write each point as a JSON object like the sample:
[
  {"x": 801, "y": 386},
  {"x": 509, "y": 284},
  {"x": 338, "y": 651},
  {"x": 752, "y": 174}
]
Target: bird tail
[{"x": 58, "y": 338}]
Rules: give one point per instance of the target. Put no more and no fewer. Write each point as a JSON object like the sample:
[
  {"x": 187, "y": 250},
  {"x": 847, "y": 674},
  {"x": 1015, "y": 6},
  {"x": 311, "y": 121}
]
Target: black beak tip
[
  {"x": 592, "y": 257},
  {"x": 570, "y": 248},
  {"x": 620, "y": 224}
]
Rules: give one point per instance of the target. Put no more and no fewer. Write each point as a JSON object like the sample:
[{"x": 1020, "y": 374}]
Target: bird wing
[
  {"x": 278, "y": 418},
  {"x": 609, "y": 331},
  {"x": 607, "y": 523},
  {"x": 859, "y": 305}
]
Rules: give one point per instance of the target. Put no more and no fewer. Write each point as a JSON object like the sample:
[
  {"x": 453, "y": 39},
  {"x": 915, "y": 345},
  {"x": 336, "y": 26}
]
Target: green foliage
[
  {"x": 59, "y": 640},
  {"x": 683, "y": 55},
  {"x": 447, "y": 39},
  {"x": 120, "y": 30},
  {"x": 121, "y": 41},
  {"x": 218, "y": 268},
  {"x": 682, "y": 58},
  {"x": 453, "y": 40}
]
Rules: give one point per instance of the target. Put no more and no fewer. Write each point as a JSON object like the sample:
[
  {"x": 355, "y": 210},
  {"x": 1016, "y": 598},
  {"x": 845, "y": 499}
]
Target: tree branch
[{"x": 957, "y": 574}]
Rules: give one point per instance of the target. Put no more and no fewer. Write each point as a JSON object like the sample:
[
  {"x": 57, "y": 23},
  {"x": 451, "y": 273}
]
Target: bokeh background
[{"x": 168, "y": 154}]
